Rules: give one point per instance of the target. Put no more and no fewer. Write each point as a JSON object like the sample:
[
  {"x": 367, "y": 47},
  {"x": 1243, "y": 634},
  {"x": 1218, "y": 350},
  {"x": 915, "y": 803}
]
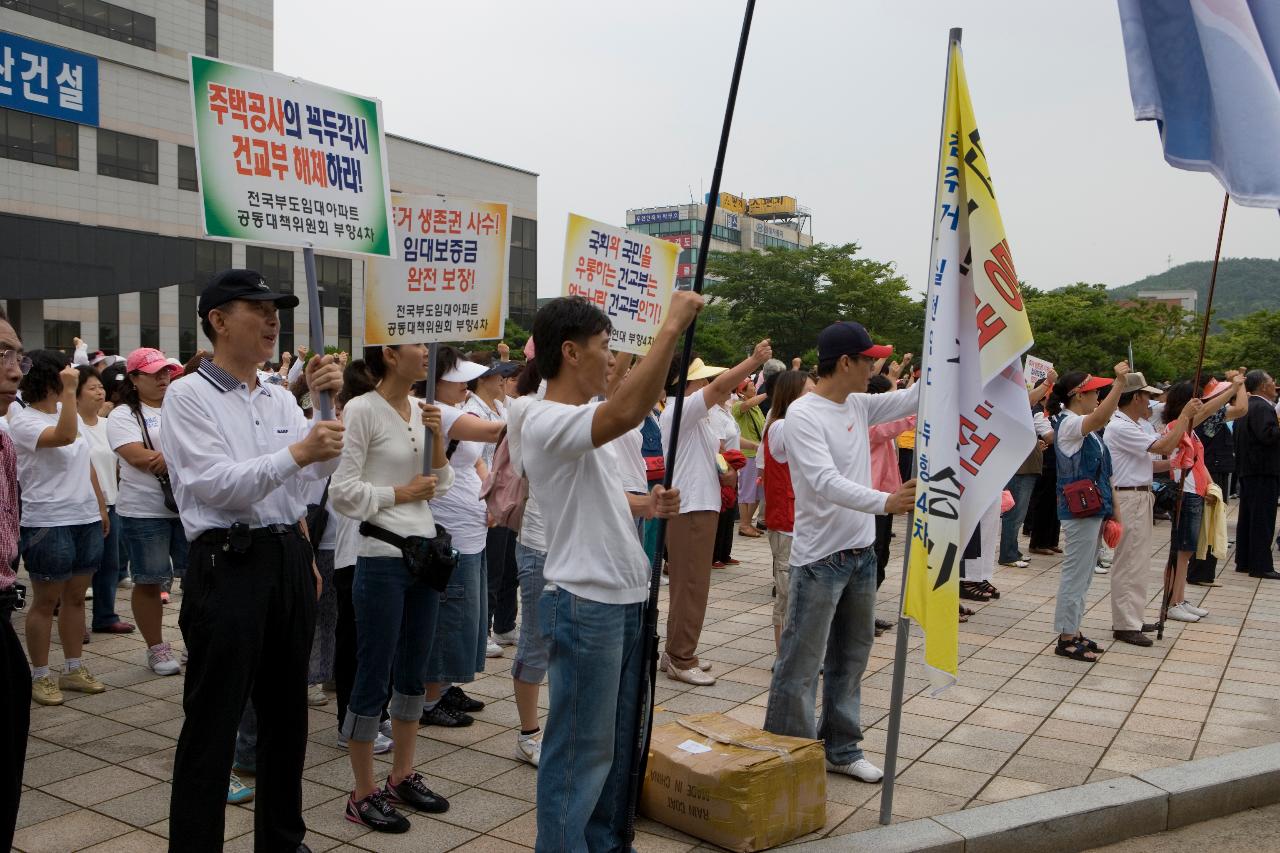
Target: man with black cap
[
  {"x": 831, "y": 612},
  {"x": 238, "y": 452}
]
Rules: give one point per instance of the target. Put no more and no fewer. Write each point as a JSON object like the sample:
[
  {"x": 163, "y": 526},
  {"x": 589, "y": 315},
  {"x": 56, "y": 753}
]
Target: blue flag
[{"x": 1206, "y": 71}]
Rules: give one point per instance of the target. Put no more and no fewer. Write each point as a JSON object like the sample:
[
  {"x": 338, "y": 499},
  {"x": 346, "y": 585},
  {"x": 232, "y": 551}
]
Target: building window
[
  {"x": 187, "y": 177},
  {"x": 276, "y": 266},
  {"x": 39, "y": 139},
  {"x": 133, "y": 158},
  {"x": 93, "y": 16},
  {"x": 211, "y": 27},
  {"x": 61, "y": 334},
  {"x": 109, "y": 323},
  {"x": 334, "y": 277},
  {"x": 209, "y": 258},
  {"x": 149, "y": 318},
  {"x": 522, "y": 275}
]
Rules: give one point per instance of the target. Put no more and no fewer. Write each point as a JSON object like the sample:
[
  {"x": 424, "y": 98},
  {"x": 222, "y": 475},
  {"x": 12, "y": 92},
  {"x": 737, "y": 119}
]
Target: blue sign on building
[
  {"x": 50, "y": 81},
  {"x": 662, "y": 216}
]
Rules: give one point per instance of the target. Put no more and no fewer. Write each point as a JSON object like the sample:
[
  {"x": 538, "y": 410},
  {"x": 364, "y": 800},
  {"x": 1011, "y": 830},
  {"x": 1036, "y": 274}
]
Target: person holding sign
[
  {"x": 592, "y": 610},
  {"x": 395, "y": 608},
  {"x": 237, "y": 452}
]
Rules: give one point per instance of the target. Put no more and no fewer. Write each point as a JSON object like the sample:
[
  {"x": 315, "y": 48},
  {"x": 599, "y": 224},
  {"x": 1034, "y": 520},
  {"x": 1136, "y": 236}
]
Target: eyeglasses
[{"x": 10, "y": 357}]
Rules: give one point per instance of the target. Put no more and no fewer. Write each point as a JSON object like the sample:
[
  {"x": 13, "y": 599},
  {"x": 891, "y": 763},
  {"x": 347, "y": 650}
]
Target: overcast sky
[{"x": 619, "y": 105}]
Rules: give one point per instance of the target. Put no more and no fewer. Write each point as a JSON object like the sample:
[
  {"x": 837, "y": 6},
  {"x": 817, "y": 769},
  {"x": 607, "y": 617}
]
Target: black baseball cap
[
  {"x": 229, "y": 285},
  {"x": 848, "y": 338}
]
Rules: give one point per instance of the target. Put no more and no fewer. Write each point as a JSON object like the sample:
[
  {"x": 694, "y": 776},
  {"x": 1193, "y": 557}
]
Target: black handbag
[
  {"x": 318, "y": 517},
  {"x": 166, "y": 487},
  {"x": 429, "y": 559}
]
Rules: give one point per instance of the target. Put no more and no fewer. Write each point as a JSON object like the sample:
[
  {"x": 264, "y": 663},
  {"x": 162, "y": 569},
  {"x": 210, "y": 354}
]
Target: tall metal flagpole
[
  {"x": 1171, "y": 561},
  {"x": 650, "y": 659},
  {"x": 904, "y": 623},
  {"x": 322, "y": 400}
]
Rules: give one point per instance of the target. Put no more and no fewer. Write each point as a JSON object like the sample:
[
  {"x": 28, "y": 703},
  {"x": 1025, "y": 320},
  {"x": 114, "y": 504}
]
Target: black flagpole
[
  {"x": 650, "y": 659},
  {"x": 1171, "y": 564}
]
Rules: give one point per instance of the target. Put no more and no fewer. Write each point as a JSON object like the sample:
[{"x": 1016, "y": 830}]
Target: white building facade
[{"x": 100, "y": 231}]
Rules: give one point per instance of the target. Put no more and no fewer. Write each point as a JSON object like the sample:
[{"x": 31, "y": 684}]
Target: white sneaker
[
  {"x": 493, "y": 650},
  {"x": 385, "y": 728},
  {"x": 1179, "y": 613},
  {"x": 509, "y": 638},
  {"x": 861, "y": 770},
  {"x": 88, "y": 593},
  {"x": 529, "y": 748},
  {"x": 126, "y": 583},
  {"x": 1101, "y": 570},
  {"x": 161, "y": 660},
  {"x": 1191, "y": 608},
  {"x": 184, "y": 657},
  {"x": 316, "y": 697},
  {"x": 381, "y": 744},
  {"x": 1017, "y": 564},
  {"x": 666, "y": 581}
]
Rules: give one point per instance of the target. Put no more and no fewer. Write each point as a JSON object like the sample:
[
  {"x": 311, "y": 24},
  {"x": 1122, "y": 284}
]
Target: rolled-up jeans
[
  {"x": 830, "y": 627},
  {"x": 597, "y": 662},
  {"x": 530, "y": 665},
  {"x": 395, "y": 624}
]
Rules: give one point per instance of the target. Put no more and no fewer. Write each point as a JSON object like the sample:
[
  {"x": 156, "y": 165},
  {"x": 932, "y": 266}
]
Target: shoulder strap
[
  {"x": 146, "y": 433},
  {"x": 453, "y": 445},
  {"x": 373, "y": 531},
  {"x": 324, "y": 496}
]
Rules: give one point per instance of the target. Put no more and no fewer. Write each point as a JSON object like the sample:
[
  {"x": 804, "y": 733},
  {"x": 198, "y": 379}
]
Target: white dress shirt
[
  {"x": 1130, "y": 444},
  {"x": 227, "y": 449}
]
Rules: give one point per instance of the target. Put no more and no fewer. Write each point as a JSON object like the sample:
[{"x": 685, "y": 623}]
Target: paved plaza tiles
[{"x": 1020, "y": 721}]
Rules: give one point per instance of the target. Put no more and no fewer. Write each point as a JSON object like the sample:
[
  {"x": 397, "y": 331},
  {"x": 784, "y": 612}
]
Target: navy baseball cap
[
  {"x": 848, "y": 338},
  {"x": 230, "y": 285}
]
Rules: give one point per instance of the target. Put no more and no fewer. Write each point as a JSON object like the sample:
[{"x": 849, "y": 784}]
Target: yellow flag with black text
[{"x": 974, "y": 425}]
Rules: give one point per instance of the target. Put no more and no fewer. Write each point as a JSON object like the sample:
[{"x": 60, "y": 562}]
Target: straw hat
[{"x": 699, "y": 370}]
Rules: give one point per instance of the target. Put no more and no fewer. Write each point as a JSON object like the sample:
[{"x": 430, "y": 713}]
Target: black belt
[
  {"x": 1131, "y": 488},
  {"x": 222, "y": 537}
]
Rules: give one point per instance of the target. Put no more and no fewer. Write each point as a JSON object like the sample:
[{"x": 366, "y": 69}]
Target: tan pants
[
  {"x": 691, "y": 536},
  {"x": 780, "y": 545},
  {"x": 1131, "y": 564}
]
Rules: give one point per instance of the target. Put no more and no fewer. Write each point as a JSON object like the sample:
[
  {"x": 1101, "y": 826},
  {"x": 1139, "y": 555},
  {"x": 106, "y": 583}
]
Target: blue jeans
[
  {"x": 1020, "y": 485},
  {"x": 54, "y": 554},
  {"x": 830, "y": 626},
  {"x": 107, "y": 577},
  {"x": 462, "y": 630},
  {"x": 395, "y": 623},
  {"x": 247, "y": 740},
  {"x": 596, "y": 670},
  {"x": 530, "y": 665},
  {"x": 157, "y": 548}
]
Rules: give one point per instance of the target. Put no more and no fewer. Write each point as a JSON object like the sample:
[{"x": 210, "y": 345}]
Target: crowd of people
[{"x": 384, "y": 555}]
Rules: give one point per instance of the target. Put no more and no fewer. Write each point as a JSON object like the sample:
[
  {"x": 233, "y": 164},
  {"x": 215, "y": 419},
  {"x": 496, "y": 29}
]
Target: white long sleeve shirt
[
  {"x": 830, "y": 458},
  {"x": 227, "y": 450},
  {"x": 380, "y": 450}
]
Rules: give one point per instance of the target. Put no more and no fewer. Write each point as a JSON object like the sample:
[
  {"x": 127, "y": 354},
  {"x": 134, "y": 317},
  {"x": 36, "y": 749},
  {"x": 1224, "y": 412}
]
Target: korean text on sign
[
  {"x": 626, "y": 274},
  {"x": 39, "y": 78}
]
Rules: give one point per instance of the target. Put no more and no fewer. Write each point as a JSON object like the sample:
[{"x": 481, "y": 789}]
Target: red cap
[
  {"x": 1091, "y": 383},
  {"x": 148, "y": 360}
]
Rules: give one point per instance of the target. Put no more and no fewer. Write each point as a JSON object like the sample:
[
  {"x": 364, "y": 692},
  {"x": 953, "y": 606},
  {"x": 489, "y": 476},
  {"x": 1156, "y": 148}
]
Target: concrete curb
[{"x": 1086, "y": 816}]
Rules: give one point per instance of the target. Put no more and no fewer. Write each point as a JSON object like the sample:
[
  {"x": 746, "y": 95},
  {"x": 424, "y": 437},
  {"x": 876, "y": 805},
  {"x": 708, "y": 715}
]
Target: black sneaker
[
  {"x": 441, "y": 715},
  {"x": 376, "y": 813},
  {"x": 459, "y": 701},
  {"x": 415, "y": 794}
]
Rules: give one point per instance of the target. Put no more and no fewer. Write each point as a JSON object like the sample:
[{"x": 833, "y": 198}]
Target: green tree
[
  {"x": 1251, "y": 341},
  {"x": 789, "y": 295}
]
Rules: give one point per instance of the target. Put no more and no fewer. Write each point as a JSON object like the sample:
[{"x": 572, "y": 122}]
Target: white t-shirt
[
  {"x": 475, "y": 406},
  {"x": 628, "y": 448},
  {"x": 532, "y": 528},
  {"x": 726, "y": 428},
  {"x": 696, "y": 475},
  {"x": 103, "y": 459},
  {"x": 829, "y": 452},
  {"x": 140, "y": 492},
  {"x": 460, "y": 510},
  {"x": 593, "y": 551},
  {"x": 56, "y": 490}
]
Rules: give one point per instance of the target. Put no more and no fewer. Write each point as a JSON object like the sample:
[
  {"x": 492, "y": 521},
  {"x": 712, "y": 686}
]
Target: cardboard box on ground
[{"x": 736, "y": 786}]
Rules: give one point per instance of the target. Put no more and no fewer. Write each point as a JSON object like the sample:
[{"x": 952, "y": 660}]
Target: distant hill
[{"x": 1244, "y": 285}]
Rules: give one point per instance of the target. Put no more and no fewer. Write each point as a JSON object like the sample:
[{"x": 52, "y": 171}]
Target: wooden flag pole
[
  {"x": 1170, "y": 565},
  {"x": 323, "y": 400},
  {"x": 644, "y": 701},
  {"x": 904, "y": 623}
]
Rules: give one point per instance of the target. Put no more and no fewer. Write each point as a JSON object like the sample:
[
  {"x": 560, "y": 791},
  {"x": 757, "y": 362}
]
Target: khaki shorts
[{"x": 780, "y": 545}]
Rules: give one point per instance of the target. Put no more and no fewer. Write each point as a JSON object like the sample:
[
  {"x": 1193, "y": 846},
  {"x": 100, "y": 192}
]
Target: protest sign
[
  {"x": 289, "y": 162},
  {"x": 450, "y": 279},
  {"x": 1036, "y": 369},
  {"x": 627, "y": 275}
]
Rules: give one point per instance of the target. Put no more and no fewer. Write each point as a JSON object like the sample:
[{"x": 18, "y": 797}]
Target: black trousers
[
  {"x": 344, "y": 647},
  {"x": 1256, "y": 523},
  {"x": 504, "y": 586},
  {"x": 240, "y": 611},
  {"x": 1042, "y": 521},
  {"x": 1206, "y": 570},
  {"x": 884, "y": 532},
  {"x": 15, "y": 720},
  {"x": 906, "y": 457},
  {"x": 723, "y": 550}
]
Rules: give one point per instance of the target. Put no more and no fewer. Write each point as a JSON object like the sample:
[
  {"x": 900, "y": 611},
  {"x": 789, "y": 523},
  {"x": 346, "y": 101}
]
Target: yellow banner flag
[{"x": 974, "y": 426}]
